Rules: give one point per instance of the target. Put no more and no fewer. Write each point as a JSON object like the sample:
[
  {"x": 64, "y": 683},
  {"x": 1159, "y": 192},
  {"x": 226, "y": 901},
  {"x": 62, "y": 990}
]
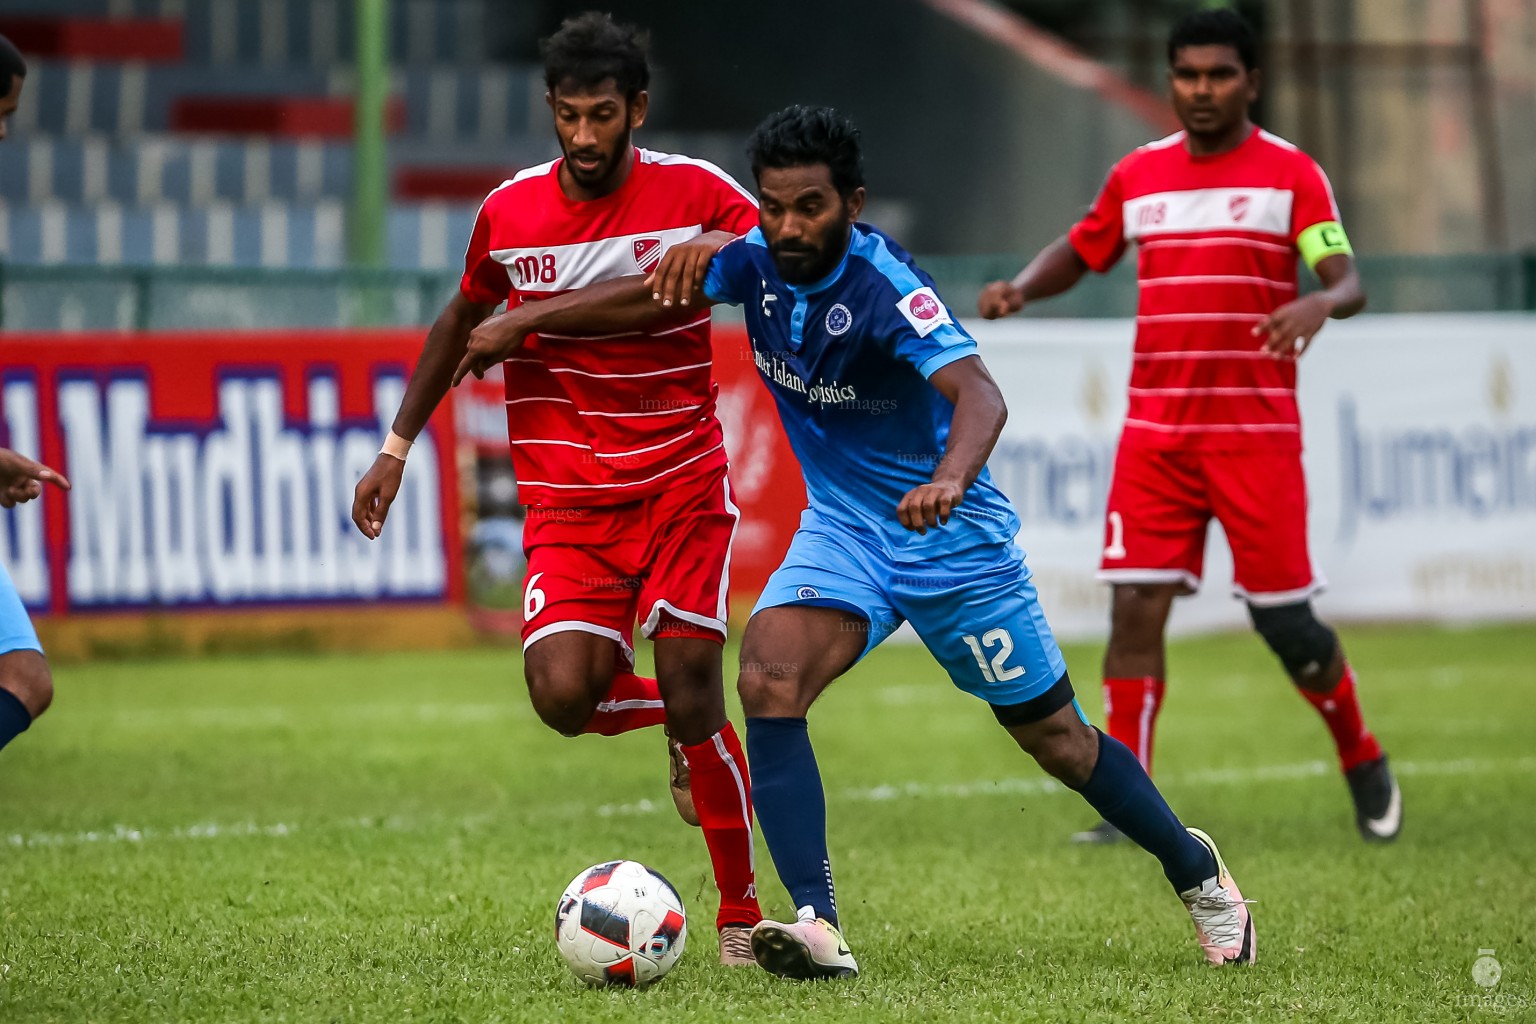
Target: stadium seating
[{"x": 216, "y": 132}]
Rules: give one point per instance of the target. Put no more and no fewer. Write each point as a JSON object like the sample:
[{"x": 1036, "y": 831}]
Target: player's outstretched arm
[
  {"x": 980, "y": 413},
  {"x": 1289, "y": 330},
  {"x": 22, "y": 479},
  {"x": 1055, "y": 269},
  {"x": 429, "y": 383},
  {"x": 609, "y": 307}
]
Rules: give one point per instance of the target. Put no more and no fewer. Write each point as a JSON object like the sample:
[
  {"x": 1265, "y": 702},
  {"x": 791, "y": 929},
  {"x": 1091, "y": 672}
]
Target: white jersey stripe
[
  {"x": 628, "y": 415},
  {"x": 550, "y": 440},
  {"x": 629, "y": 376},
  {"x": 627, "y": 483},
  {"x": 652, "y": 157},
  {"x": 642, "y": 451},
  {"x": 537, "y": 270},
  {"x": 1215, "y": 354},
  {"x": 1262, "y": 210},
  {"x": 629, "y": 334},
  {"x": 1220, "y": 279},
  {"x": 1202, "y": 428},
  {"x": 1162, "y": 318},
  {"x": 1252, "y": 243},
  {"x": 1273, "y": 392},
  {"x": 603, "y": 455}
]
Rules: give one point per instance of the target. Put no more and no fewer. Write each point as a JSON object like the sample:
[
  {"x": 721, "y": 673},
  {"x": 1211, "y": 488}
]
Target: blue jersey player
[
  {"x": 26, "y": 685},
  {"x": 892, "y": 416}
]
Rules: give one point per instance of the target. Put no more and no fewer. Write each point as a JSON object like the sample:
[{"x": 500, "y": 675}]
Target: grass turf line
[{"x": 382, "y": 838}]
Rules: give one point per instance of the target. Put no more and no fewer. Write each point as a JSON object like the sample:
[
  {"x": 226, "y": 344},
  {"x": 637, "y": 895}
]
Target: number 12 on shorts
[{"x": 998, "y": 670}]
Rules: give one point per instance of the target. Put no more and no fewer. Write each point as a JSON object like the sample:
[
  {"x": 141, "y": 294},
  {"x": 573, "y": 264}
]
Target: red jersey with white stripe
[
  {"x": 604, "y": 420},
  {"x": 1217, "y": 251}
]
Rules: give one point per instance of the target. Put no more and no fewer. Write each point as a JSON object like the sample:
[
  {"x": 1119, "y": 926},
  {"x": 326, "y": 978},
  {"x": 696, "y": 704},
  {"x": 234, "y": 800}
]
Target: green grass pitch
[{"x": 382, "y": 838}]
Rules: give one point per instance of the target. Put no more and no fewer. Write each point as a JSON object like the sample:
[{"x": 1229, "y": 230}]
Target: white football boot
[
  {"x": 1222, "y": 922},
  {"x": 806, "y": 950}
]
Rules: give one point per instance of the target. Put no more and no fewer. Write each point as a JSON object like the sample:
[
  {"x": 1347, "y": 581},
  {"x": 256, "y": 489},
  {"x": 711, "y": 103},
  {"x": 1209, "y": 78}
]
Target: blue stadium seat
[{"x": 427, "y": 236}]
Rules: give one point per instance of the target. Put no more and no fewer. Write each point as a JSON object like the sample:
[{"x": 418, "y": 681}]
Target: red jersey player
[
  {"x": 615, "y": 443},
  {"x": 1218, "y": 212}
]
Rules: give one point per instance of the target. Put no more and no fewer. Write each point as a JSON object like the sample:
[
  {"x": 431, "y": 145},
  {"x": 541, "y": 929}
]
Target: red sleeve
[
  {"x": 1099, "y": 237},
  {"x": 732, "y": 208},
  {"x": 485, "y": 281},
  {"x": 1313, "y": 199}
]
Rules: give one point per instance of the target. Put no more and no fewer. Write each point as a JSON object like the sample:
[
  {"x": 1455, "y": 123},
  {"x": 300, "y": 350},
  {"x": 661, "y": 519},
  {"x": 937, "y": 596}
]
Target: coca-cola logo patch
[
  {"x": 924, "y": 307},
  {"x": 923, "y": 310}
]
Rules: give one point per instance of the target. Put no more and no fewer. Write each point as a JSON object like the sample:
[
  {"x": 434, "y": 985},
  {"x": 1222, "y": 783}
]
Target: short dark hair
[
  {"x": 801, "y": 136},
  {"x": 1220, "y": 27},
  {"x": 11, "y": 65},
  {"x": 591, "y": 48}
]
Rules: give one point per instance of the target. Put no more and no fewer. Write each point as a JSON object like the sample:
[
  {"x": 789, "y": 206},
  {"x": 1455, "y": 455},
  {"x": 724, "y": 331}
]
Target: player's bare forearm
[
  {"x": 1289, "y": 330},
  {"x": 1342, "y": 288},
  {"x": 608, "y": 307},
  {"x": 445, "y": 345},
  {"x": 980, "y": 413},
  {"x": 1055, "y": 269}
]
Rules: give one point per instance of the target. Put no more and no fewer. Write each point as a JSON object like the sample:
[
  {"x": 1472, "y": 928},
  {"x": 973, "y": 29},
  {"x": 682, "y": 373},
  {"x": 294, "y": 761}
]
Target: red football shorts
[
  {"x": 1160, "y": 502},
  {"x": 663, "y": 561}
]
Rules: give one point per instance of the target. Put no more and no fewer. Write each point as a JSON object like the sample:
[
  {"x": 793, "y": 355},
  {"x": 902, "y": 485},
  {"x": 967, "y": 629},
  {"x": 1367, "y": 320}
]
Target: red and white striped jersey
[
  {"x": 604, "y": 420},
  {"x": 1217, "y": 241}
]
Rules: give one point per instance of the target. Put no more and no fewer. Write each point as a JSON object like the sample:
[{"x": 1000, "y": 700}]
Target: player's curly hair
[
  {"x": 1220, "y": 27},
  {"x": 12, "y": 66},
  {"x": 802, "y": 136},
  {"x": 592, "y": 48}
]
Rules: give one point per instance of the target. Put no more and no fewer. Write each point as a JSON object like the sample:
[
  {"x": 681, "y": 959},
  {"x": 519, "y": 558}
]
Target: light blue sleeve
[
  {"x": 946, "y": 344},
  {"x": 918, "y": 324},
  {"x": 729, "y": 274}
]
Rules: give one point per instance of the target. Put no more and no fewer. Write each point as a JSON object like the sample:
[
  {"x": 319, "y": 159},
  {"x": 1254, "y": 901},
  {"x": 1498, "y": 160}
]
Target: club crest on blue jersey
[{"x": 839, "y": 319}]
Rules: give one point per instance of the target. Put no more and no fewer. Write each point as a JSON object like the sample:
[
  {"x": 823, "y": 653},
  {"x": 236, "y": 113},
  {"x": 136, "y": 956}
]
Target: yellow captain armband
[{"x": 1321, "y": 240}]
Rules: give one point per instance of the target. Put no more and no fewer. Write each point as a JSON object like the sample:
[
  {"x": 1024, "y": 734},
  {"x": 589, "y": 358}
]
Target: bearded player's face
[
  {"x": 805, "y": 220},
  {"x": 594, "y": 126}
]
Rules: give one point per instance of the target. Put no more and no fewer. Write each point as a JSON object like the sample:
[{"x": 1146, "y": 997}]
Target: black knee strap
[
  {"x": 1036, "y": 709},
  {"x": 1302, "y": 643}
]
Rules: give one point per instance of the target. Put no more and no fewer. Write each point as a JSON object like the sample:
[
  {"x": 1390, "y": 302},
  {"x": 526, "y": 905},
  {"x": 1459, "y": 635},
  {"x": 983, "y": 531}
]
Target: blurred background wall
[{"x": 217, "y": 133}]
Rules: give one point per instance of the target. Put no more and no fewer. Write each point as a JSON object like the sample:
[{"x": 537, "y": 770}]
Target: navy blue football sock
[
  {"x": 1120, "y": 790},
  {"x": 14, "y": 717},
  {"x": 792, "y": 809}
]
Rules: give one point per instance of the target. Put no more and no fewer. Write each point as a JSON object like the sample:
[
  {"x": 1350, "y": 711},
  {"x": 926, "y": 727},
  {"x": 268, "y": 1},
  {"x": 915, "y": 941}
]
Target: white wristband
[{"x": 395, "y": 446}]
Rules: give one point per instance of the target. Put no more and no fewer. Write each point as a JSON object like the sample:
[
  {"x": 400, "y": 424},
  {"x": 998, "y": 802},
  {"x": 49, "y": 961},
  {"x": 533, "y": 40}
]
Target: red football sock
[
  {"x": 1340, "y": 708},
  {"x": 633, "y": 702},
  {"x": 722, "y": 794},
  {"x": 1131, "y": 706}
]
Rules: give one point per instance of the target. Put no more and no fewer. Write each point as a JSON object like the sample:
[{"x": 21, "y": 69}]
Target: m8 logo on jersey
[
  {"x": 1152, "y": 215},
  {"x": 534, "y": 269}
]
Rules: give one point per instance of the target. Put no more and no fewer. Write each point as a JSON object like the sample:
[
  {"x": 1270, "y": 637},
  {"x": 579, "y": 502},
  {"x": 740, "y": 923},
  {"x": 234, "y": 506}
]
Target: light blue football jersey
[{"x": 848, "y": 359}]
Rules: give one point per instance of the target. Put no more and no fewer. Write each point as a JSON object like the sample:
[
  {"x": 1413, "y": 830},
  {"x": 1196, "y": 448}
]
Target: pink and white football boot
[
  {"x": 1222, "y": 922},
  {"x": 809, "y": 949}
]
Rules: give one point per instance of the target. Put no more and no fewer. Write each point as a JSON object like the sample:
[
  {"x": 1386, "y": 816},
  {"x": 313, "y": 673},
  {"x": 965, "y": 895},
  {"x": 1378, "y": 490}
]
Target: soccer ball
[{"x": 620, "y": 923}]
